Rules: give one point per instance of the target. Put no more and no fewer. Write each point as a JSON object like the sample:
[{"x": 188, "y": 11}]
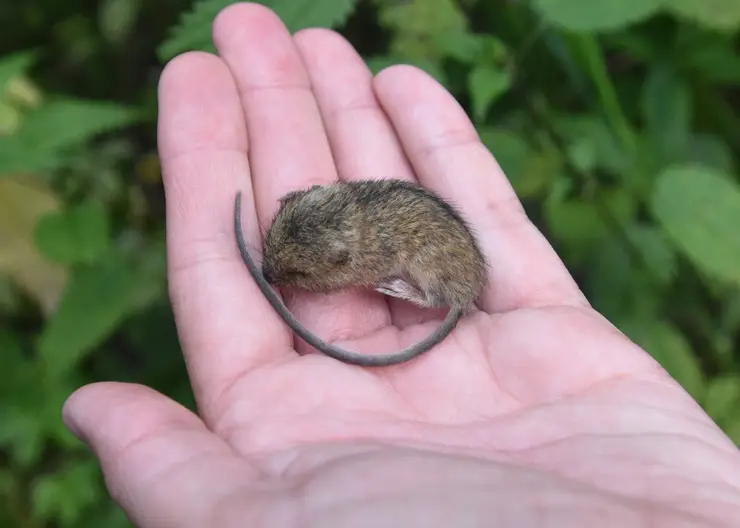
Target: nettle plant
[{"x": 615, "y": 121}]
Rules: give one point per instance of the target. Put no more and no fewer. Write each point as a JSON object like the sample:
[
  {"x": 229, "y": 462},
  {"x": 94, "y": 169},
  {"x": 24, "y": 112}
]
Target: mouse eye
[{"x": 295, "y": 274}]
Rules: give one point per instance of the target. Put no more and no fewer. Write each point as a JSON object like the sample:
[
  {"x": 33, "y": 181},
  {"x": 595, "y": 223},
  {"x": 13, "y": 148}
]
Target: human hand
[{"x": 535, "y": 411}]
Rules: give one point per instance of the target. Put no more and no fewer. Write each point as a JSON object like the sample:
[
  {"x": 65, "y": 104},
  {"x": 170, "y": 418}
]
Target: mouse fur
[{"x": 391, "y": 235}]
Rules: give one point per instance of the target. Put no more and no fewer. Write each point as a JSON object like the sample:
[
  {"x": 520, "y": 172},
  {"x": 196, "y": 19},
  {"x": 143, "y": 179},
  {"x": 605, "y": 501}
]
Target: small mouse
[{"x": 390, "y": 235}]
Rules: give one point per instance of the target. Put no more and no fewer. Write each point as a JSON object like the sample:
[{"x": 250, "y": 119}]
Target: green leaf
[
  {"x": 656, "y": 251},
  {"x": 612, "y": 281},
  {"x": 722, "y": 399},
  {"x": 596, "y": 15},
  {"x": 419, "y": 25},
  {"x": 22, "y": 202},
  {"x": 730, "y": 317},
  {"x": 669, "y": 347},
  {"x": 66, "y": 122},
  {"x": 461, "y": 45},
  {"x": 110, "y": 517},
  {"x": 666, "y": 108},
  {"x": 581, "y": 224},
  {"x": 193, "y": 32},
  {"x": 78, "y": 235},
  {"x": 486, "y": 84},
  {"x": 722, "y": 15},
  {"x": 576, "y": 224},
  {"x": 46, "y": 133},
  {"x": 378, "y": 63},
  {"x": 96, "y": 301},
  {"x": 732, "y": 430},
  {"x": 14, "y": 65},
  {"x": 529, "y": 172},
  {"x": 22, "y": 434},
  {"x": 710, "y": 54},
  {"x": 591, "y": 134},
  {"x": 15, "y": 367},
  {"x": 65, "y": 495},
  {"x": 582, "y": 153},
  {"x": 699, "y": 209},
  {"x": 710, "y": 151},
  {"x": 117, "y": 18},
  {"x": 511, "y": 150}
]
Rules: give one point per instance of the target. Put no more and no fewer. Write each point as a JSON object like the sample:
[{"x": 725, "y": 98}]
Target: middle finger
[
  {"x": 288, "y": 148},
  {"x": 362, "y": 139}
]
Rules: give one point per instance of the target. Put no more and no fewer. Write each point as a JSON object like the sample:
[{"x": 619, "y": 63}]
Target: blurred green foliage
[{"x": 615, "y": 120}]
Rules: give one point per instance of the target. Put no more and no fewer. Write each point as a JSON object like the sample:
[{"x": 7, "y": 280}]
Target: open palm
[{"x": 535, "y": 411}]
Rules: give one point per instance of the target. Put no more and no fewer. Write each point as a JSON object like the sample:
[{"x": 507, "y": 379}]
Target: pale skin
[{"x": 535, "y": 412}]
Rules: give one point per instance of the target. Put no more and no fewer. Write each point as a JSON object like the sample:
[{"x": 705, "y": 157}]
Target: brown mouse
[{"x": 390, "y": 235}]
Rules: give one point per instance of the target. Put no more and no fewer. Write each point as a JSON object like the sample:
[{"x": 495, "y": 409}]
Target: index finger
[{"x": 225, "y": 324}]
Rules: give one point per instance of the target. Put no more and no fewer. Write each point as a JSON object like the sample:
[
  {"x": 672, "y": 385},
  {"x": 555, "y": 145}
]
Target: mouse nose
[{"x": 268, "y": 275}]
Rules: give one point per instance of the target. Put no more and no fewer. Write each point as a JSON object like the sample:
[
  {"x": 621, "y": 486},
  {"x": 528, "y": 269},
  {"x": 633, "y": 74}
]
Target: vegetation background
[{"x": 616, "y": 121}]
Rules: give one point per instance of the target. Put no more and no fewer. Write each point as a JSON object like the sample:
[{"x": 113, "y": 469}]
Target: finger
[
  {"x": 362, "y": 139},
  {"x": 449, "y": 158},
  {"x": 160, "y": 462},
  {"x": 288, "y": 146},
  {"x": 224, "y": 322}
]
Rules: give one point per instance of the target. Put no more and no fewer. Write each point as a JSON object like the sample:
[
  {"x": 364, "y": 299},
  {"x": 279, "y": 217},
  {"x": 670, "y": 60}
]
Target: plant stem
[{"x": 596, "y": 67}]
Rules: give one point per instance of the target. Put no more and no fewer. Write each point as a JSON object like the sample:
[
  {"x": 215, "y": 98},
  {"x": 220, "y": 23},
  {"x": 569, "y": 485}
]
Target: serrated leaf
[
  {"x": 486, "y": 84},
  {"x": 596, "y": 15},
  {"x": 65, "y": 122},
  {"x": 722, "y": 399},
  {"x": 77, "y": 235},
  {"x": 723, "y": 15},
  {"x": 14, "y": 65},
  {"x": 666, "y": 108},
  {"x": 669, "y": 347},
  {"x": 193, "y": 32},
  {"x": 22, "y": 203},
  {"x": 418, "y": 24},
  {"x": 699, "y": 209},
  {"x": 96, "y": 300},
  {"x": 47, "y": 132}
]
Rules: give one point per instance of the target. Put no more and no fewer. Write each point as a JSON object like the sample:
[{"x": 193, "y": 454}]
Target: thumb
[{"x": 161, "y": 464}]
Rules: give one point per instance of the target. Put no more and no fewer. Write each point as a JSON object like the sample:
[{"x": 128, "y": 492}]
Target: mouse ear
[
  {"x": 338, "y": 253},
  {"x": 291, "y": 195}
]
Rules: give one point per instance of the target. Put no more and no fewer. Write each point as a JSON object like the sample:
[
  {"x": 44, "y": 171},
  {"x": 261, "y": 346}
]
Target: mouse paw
[{"x": 402, "y": 290}]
